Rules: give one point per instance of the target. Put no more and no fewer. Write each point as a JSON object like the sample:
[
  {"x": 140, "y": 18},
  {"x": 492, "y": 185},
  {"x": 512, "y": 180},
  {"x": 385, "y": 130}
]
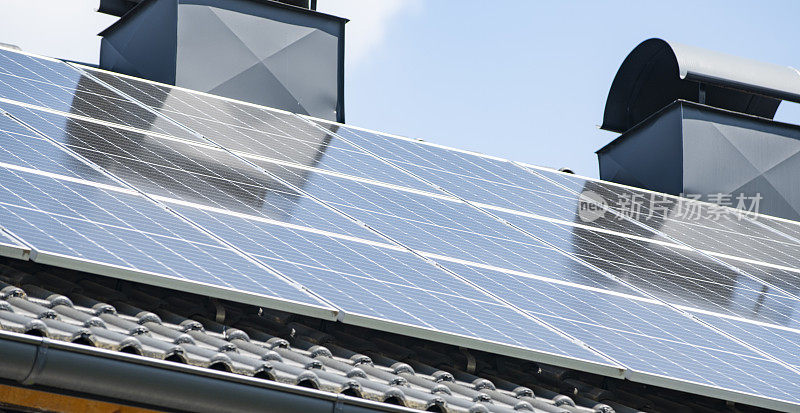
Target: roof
[
  {"x": 670, "y": 354},
  {"x": 658, "y": 72},
  {"x": 145, "y": 322}
]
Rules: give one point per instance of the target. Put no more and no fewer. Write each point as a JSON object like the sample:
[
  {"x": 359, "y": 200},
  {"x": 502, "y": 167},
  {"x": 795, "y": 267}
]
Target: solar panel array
[{"x": 132, "y": 179}]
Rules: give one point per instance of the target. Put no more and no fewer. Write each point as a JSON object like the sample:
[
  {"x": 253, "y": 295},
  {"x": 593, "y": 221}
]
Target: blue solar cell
[
  {"x": 55, "y": 85},
  {"x": 318, "y": 262},
  {"x": 780, "y": 342},
  {"x": 493, "y": 182},
  {"x": 748, "y": 373},
  {"x": 257, "y": 131},
  {"x": 187, "y": 172},
  {"x": 642, "y": 335},
  {"x": 319, "y": 256},
  {"x": 703, "y": 226},
  {"x": 373, "y": 280},
  {"x": 672, "y": 273},
  {"x": 443, "y": 226},
  {"x": 787, "y": 279},
  {"x": 383, "y": 282},
  {"x": 20, "y": 146},
  {"x": 789, "y": 229},
  {"x": 678, "y": 275},
  {"x": 502, "y": 184},
  {"x": 119, "y": 229}
]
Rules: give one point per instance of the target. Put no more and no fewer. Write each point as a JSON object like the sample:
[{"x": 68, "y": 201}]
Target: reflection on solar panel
[
  {"x": 286, "y": 231},
  {"x": 706, "y": 227},
  {"x": 647, "y": 264},
  {"x": 257, "y": 132},
  {"x": 76, "y": 216},
  {"x": 52, "y": 84},
  {"x": 111, "y": 227},
  {"x": 140, "y": 180}
]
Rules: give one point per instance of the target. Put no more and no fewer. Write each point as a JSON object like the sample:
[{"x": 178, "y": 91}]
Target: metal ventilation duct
[
  {"x": 700, "y": 122},
  {"x": 265, "y": 52},
  {"x": 658, "y": 72}
]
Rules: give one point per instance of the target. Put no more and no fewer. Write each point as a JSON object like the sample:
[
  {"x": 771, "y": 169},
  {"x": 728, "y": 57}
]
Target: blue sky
[
  {"x": 528, "y": 80},
  {"x": 525, "y": 80}
]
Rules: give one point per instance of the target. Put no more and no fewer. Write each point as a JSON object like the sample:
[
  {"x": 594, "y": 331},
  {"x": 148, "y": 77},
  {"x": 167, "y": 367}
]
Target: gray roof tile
[{"x": 183, "y": 328}]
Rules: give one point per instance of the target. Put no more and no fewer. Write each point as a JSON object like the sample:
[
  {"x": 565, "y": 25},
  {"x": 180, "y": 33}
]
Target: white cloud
[
  {"x": 368, "y": 22},
  {"x": 59, "y": 28}
]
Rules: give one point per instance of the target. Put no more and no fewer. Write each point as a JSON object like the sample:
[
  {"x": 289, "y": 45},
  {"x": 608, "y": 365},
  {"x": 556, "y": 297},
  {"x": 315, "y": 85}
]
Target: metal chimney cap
[{"x": 658, "y": 72}]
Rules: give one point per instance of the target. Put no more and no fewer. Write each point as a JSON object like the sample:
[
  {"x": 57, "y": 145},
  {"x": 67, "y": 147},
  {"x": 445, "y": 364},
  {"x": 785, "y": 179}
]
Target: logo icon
[{"x": 591, "y": 206}]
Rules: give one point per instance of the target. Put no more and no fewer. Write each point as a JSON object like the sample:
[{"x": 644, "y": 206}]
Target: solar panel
[
  {"x": 442, "y": 227},
  {"x": 368, "y": 282},
  {"x": 641, "y": 334},
  {"x": 24, "y": 148},
  {"x": 492, "y": 183},
  {"x": 787, "y": 279},
  {"x": 55, "y": 85},
  {"x": 254, "y": 131},
  {"x": 85, "y": 224},
  {"x": 494, "y": 170},
  {"x": 426, "y": 222},
  {"x": 517, "y": 268},
  {"x": 463, "y": 168},
  {"x": 790, "y": 229},
  {"x": 710, "y": 228},
  {"x": 782, "y": 343},
  {"x": 118, "y": 229},
  {"x": 684, "y": 276},
  {"x": 677, "y": 276},
  {"x": 185, "y": 171}
]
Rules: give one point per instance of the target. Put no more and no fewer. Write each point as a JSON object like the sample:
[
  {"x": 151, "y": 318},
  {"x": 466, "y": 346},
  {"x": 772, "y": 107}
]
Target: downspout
[{"x": 31, "y": 360}]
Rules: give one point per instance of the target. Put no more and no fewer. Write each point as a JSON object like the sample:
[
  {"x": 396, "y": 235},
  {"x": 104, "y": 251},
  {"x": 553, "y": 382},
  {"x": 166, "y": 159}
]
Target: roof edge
[{"x": 117, "y": 376}]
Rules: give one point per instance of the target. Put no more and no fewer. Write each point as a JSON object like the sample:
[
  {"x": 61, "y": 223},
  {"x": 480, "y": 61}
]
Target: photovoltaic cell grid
[
  {"x": 700, "y": 225},
  {"x": 158, "y": 95},
  {"x": 478, "y": 179},
  {"x": 383, "y": 282},
  {"x": 24, "y": 148},
  {"x": 126, "y": 231},
  {"x": 257, "y": 131},
  {"x": 383, "y": 209},
  {"x": 306, "y": 188},
  {"x": 643, "y": 335},
  {"x": 186, "y": 172},
  {"x": 429, "y": 228},
  {"x": 505, "y": 185},
  {"x": 787, "y": 280},
  {"x": 360, "y": 278},
  {"x": 54, "y": 85},
  {"x": 745, "y": 383},
  {"x": 315, "y": 194},
  {"x": 678, "y": 287},
  {"x": 79, "y": 213},
  {"x": 677, "y": 275}
]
